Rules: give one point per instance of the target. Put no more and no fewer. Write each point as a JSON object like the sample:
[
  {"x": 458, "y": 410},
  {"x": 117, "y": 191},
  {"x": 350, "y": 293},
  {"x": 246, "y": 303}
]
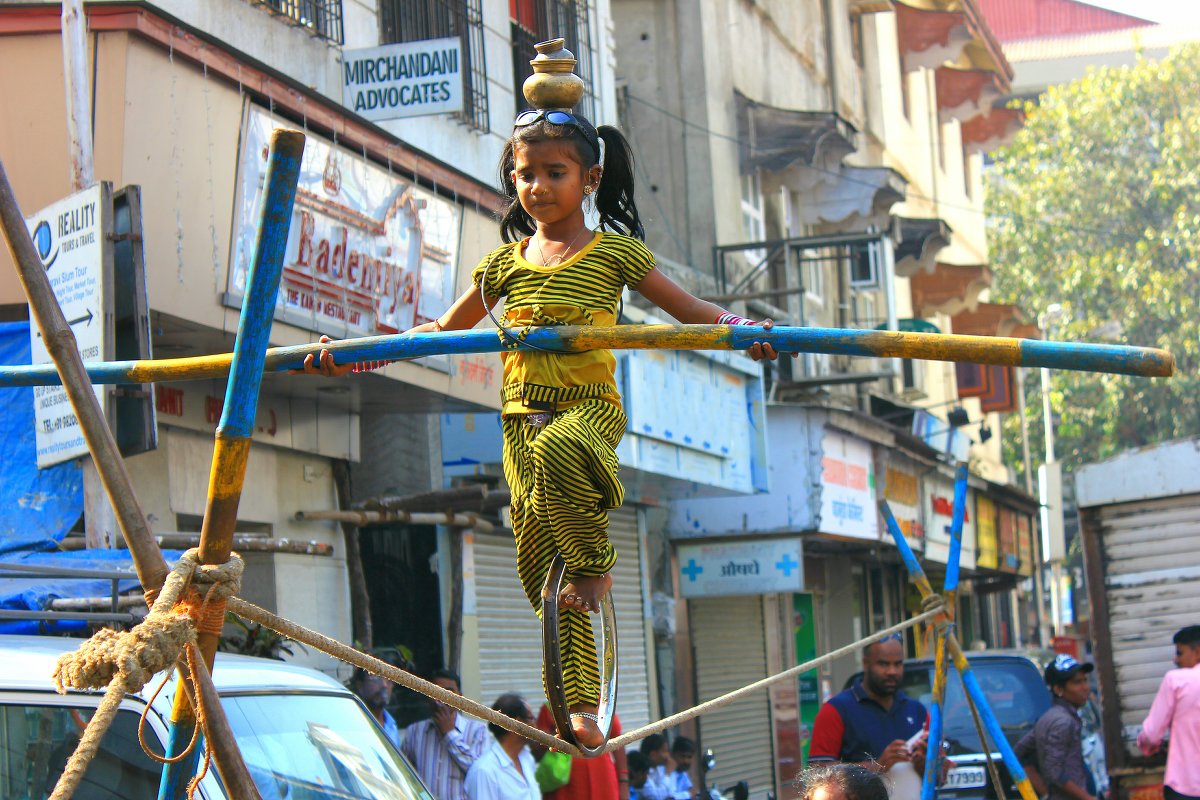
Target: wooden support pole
[
  {"x": 151, "y": 568},
  {"x": 362, "y": 626},
  {"x": 364, "y": 518}
]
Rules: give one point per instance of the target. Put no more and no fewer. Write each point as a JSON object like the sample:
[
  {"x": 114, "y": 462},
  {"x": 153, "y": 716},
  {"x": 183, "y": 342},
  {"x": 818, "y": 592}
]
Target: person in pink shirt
[{"x": 1176, "y": 710}]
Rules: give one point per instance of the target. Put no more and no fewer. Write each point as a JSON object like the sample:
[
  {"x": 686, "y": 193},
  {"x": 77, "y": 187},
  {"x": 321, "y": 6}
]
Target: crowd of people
[{"x": 863, "y": 740}]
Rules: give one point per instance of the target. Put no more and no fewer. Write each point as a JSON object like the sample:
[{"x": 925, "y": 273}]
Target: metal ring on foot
[{"x": 556, "y": 693}]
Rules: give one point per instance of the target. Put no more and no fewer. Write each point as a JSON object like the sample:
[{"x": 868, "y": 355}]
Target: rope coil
[{"x": 122, "y": 662}]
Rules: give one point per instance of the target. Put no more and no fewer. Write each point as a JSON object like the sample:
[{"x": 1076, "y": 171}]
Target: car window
[
  {"x": 1014, "y": 691},
  {"x": 36, "y": 741},
  {"x": 318, "y": 747}
]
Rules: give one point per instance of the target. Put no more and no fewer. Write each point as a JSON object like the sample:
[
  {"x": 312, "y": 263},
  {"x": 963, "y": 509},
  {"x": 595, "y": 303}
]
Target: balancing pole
[
  {"x": 974, "y": 691},
  {"x": 1147, "y": 362},
  {"x": 237, "y": 420}
]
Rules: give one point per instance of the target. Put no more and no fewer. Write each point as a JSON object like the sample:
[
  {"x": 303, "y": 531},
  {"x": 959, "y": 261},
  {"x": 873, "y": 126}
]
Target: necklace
[{"x": 558, "y": 259}]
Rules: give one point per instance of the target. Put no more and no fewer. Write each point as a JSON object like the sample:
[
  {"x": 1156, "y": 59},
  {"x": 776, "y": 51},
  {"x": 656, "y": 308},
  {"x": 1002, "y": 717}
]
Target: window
[
  {"x": 536, "y": 21},
  {"x": 812, "y": 274},
  {"x": 322, "y": 17},
  {"x": 753, "y": 219},
  {"x": 417, "y": 20},
  {"x": 38, "y": 740},
  {"x": 913, "y": 375},
  {"x": 864, "y": 266}
]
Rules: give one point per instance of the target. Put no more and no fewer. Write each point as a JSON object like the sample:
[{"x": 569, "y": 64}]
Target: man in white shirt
[
  {"x": 683, "y": 753},
  {"x": 505, "y": 771},
  {"x": 443, "y": 747}
]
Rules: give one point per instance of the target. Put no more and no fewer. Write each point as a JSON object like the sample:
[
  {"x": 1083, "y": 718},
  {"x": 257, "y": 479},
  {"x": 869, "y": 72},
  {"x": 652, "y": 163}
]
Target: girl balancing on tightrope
[{"x": 562, "y": 414}]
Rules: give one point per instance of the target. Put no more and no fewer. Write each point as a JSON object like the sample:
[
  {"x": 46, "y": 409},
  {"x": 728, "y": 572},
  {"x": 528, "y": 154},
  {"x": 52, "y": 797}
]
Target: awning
[
  {"x": 775, "y": 138},
  {"x": 986, "y": 132},
  {"x": 965, "y": 93},
  {"x": 948, "y": 288},
  {"x": 931, "y": 33},
  {"x": 920, "y": 239},
  {"x": 858, "y": 198}
]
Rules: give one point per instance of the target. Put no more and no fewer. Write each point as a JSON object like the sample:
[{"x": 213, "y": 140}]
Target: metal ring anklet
[{"x": 552, "y": 659}]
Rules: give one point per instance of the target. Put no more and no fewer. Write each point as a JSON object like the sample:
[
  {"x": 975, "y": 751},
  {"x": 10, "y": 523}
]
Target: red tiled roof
[{"x": 1026, "y": 19}]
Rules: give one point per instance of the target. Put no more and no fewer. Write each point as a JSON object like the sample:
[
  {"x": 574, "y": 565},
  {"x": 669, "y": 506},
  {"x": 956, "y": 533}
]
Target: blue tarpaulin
[
  {"x": 37, "y": 506},
  {"x": 35, "y": 593}
]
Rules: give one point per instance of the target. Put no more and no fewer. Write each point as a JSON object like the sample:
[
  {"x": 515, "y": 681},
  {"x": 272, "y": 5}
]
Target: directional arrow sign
[{"x": 69, "y": 237}]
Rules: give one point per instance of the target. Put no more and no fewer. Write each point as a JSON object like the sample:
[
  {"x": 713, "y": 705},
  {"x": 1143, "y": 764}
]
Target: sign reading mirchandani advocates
[{"x": 403, "y": 80}]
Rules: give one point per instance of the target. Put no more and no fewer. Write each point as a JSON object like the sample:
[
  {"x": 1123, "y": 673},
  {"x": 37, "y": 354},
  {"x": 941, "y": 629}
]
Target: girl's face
[{"x": 550, "y": 180}]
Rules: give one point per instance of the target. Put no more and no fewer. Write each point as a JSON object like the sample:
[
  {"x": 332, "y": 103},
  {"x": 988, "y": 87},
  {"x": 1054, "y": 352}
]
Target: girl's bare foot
[
  {"x": 583, "y": 594},
  {"x": 584, "y": 725}
]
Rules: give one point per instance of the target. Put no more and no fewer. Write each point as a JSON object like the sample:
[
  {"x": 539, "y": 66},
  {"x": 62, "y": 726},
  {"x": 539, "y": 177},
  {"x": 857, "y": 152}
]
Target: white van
[{"x": 303, "y": 735}]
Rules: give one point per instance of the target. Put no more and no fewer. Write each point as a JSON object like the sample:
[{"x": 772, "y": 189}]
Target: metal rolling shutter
[
  {"x": 633, "y": 691},
  {"x": 1153, "y": 590},
  {"x": 510, "y": 636},
  {"x": 730, "y": 645}
]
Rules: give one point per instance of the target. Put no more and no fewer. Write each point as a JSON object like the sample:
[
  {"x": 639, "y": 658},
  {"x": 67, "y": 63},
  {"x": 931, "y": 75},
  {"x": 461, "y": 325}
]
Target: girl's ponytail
[{"x": 614, "y": 196}]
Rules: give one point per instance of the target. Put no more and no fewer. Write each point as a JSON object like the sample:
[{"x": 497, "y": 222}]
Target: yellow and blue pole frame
[
  {"x": 237, "y": 418},
  {"x": 970, "y": 684},
  {"x": 1000, "y": 350},
  {"x": 933, "y": 753}
]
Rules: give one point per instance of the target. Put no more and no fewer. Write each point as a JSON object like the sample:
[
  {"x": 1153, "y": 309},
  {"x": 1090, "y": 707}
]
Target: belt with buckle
[{"x": 538, "y": 397}]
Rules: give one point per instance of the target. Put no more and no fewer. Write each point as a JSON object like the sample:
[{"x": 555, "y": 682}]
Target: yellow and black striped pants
[{"x": 563, "y": 478}]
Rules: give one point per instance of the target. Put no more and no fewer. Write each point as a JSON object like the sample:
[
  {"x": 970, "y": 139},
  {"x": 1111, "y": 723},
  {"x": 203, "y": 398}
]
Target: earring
[{"x": 589, "y": 189}]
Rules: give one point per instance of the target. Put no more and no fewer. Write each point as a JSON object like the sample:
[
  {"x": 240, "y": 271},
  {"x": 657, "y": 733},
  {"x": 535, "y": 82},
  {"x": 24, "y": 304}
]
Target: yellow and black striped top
[{"x": 583, "y": 290}]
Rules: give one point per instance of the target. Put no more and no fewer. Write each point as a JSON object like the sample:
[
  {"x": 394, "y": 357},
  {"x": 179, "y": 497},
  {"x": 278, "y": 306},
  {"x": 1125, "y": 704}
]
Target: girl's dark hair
[
  {"x": 851, "y": 781},
  {"x": 614, "y": 196}
]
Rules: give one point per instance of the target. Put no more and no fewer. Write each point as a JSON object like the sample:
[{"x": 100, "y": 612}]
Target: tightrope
[{"x": 350, "y": 655}]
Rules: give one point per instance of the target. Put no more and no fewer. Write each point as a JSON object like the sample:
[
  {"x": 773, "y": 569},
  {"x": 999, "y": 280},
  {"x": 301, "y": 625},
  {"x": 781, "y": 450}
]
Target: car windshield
[
  {"x": 1014, "y": 691},
  {"x": 324, "y": 747}
]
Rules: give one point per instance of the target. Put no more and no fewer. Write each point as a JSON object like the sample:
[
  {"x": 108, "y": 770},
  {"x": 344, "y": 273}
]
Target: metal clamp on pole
[{"x": 556, "y": 694}]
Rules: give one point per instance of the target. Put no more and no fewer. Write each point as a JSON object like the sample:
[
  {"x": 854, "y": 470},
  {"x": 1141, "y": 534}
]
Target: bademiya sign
[
  {"x": 403, "y": 80},
  {"x": 368, "y": 252}
]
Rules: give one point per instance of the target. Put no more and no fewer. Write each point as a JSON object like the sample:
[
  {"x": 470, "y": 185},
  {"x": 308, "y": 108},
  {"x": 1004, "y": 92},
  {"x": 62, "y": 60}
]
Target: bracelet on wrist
[{"x": 729, "y": 318}]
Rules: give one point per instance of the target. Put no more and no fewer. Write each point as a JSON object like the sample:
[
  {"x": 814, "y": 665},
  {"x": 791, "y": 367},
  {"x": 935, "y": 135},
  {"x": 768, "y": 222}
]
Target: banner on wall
[
  {"x": 368, "y": 253},
  {"x": 901, "y": 488},
  {"x": 938, "y": 494},
  {"x": 847, "y": 487},
  {"x": 985, "y": 526}
]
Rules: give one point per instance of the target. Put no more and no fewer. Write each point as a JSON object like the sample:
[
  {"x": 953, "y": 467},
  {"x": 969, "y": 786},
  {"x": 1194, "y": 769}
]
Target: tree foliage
[{"x": 1096, "y": 206}]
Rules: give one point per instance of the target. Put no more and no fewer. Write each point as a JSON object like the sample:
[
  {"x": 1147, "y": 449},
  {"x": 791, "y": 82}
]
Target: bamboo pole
[
  {"x": 1145, "y": 362},
  {"x": 364, "y": 518},
  {"x": 237, "y": 417},
  {"x": 60, "y": 342}
]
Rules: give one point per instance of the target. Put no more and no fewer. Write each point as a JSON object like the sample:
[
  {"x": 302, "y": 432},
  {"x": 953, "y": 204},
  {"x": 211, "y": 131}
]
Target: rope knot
[
  {"x": 931, "y": 603},
  {"x": 132, "y": 656}
]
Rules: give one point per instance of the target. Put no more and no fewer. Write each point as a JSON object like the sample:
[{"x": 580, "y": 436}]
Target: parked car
[
  {"x": 303, "y": 735},
  {"x": 1017, "y": 695}
]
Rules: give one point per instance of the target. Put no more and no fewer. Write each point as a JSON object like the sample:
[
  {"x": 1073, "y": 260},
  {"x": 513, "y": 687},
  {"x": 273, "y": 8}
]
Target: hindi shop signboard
[
  {"x": 70, "y": 240},
  {"x": 758, "y": 566},
  {"x": 847, "y": 487},
  {"x": 368, "y": 252},
  {"x": 412, "y": 79}
]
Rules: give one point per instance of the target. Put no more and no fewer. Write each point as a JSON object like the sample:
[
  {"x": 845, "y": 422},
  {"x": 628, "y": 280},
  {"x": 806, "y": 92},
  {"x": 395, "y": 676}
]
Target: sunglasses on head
[{"x": 558, "y": 117}]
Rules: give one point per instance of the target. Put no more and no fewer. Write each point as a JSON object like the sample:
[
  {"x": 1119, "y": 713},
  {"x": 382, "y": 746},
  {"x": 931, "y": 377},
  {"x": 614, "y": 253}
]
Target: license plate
[{"x": 966, "y": 778}]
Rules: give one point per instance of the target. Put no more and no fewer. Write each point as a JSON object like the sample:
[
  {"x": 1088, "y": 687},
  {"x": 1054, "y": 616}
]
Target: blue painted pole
[
  {"x": 1139, "y": 361},
  {"x": 236, "y": 426},
  {"x": 933, "y": 757},
  {"x": 970, "y": 684}
]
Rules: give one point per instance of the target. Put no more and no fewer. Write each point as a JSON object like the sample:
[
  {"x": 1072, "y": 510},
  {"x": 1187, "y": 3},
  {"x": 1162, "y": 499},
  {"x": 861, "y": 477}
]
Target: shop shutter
[
  {"x": 730, "y": 646},
  {"x": 510, "y": 636},
  {"x": 1144, "y": 546}
]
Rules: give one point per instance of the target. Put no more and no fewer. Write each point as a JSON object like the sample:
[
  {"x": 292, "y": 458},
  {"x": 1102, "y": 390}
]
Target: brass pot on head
[{"x": 553, "y": 83}]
